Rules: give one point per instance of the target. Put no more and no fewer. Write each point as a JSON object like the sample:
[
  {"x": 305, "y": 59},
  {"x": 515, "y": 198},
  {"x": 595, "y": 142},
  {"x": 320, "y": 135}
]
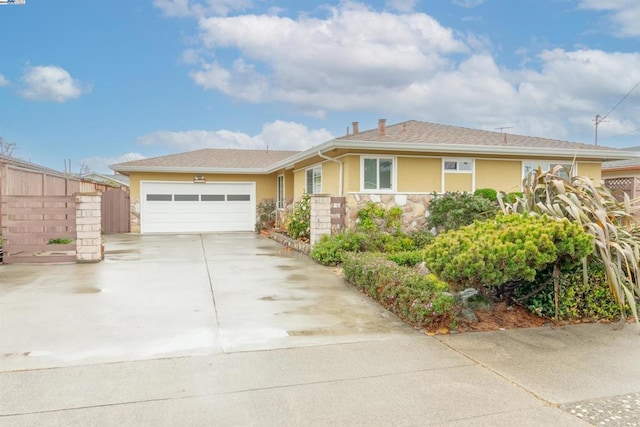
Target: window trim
[
  {"x": 457, "y": 161},
  {"x": 550, "y": 164},
  {"x": 394, "y": 173},
  {"x": 306, "y": 179},
  {"x": 280, "y": 191}
]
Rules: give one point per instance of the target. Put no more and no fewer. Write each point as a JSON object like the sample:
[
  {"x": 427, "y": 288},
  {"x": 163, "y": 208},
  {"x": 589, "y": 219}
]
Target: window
[
  {"x": 212, "y": 198},
  {"x": 531, "y": 166},
  {"x": 377, "y": 173},
  {"x": 186, "y": 197},
  {"x": 238, "y": 197},
  {"x": 458, "y": 165},
  {"x": 280, "y": 192},
  {"x": 159, "y": 198},
  {"x": 314, "y": 180}
]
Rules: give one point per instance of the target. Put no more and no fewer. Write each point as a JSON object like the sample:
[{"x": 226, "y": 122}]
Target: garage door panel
[{"x": 188, "y": 207}]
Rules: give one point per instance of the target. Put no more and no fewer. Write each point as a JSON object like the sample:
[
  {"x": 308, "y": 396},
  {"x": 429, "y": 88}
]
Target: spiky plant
[{"x": 610, "y": 221}]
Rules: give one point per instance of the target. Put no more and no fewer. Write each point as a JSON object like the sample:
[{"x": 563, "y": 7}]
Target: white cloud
[
  {"x": 51, "y": 83},
  {"x": 402, "y": 5},
  {"x": 624, "y": 14},
  {"x": 313, "y": 62},
  {"x": 101, "y": 164},
  {"x": 278, "y": 135},
  {"x": 3, "y": 81}
]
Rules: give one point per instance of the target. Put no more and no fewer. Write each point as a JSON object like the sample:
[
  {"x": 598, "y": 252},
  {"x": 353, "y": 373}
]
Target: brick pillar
[
  {"x": 88, "y": 227},
  {"x": 320, "y": 216}
]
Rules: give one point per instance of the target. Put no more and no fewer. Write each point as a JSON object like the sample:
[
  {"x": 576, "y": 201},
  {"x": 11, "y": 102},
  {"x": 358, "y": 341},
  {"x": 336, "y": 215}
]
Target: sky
[{"x": 101, "y": 82}]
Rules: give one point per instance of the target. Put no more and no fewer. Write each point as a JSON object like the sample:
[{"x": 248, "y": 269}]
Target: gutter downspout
[{"x": 331, "y": 159}]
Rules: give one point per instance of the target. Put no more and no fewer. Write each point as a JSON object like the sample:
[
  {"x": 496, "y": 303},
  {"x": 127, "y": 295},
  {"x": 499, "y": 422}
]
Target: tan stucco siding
[
  {"x": 419, "y": 175},
  {"x": 330, "y": 178},
  {"x": 288, "y": 185},
  {"x": 265, "y": 184},
  {"x": 351, "y": 173},
  {"x": 299, "y": 183},
  {"x": 458, "y": 182},
  {"x": 591, "y": 170},
  {"x": 501, "y": 175}
]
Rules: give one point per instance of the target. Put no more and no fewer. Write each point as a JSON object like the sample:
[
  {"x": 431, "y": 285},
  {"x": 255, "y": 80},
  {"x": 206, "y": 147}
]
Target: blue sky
[{"x": 103, "y": 82}]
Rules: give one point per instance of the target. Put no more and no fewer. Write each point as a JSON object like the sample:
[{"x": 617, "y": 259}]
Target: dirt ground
[{"x": 502, "y": 317}]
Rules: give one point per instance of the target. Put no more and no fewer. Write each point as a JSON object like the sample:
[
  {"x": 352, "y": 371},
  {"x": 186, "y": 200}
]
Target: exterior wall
[
  {"x": 607, "y": 174},
  {"x": 458, "y": 182},
  {"x": 265, "y": 187},
  {"x": 288, "y": 185},
  {"x": 330, "y": 178},
  {"x": 592, "y": 170},
  {"x": 320, "y": 221},
  {"x": 419, "y": 175},
  {"x": 414, "y": 207},
  {"x": 351, "y": 173},
  {"x": 501, "y": 175},
  {"x": 299, "y": 183}
]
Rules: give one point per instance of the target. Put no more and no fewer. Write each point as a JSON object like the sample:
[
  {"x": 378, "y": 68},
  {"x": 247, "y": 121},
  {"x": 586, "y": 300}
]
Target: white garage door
[{"x": 173, "y": 207}]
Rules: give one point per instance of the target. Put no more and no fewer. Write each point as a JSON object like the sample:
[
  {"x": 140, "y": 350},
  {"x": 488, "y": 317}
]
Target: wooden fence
[
  {"x": 115, "y": 211},
  {"x": 629, "y": 185},
  {"x": 29, "y": 223}
]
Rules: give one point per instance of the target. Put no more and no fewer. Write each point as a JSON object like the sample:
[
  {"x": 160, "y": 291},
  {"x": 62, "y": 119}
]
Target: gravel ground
[{"x": 615, "y": 411}]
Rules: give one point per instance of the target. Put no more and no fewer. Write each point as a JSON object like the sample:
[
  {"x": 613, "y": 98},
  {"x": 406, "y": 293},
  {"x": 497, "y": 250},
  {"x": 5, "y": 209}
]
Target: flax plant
[{"x": 610, "y": 221}]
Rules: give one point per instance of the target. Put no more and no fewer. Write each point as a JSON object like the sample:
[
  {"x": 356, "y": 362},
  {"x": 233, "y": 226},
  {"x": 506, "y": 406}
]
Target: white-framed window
[
  {"x": 314, "y": 180},
  {"x": 377, "y": 173},
  {"x": 280, "y": 192},
  {"x": 530, "y": 166},
  {"x": 453, "y": 165}
]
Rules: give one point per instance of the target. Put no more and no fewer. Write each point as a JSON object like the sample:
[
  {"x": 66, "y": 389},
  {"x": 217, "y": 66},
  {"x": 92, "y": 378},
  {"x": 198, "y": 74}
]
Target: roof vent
[{"x": 382, "y": 127}]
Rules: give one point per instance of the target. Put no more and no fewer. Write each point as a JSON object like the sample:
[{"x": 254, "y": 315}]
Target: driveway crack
[{"x": 213, "y": 296}]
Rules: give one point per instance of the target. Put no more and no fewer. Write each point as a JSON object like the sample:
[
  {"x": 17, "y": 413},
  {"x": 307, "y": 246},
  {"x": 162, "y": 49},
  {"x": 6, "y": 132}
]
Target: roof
[
  {"x": 218, "y": 159},
  {"x": 409, "y": 136},
  {"x": 417, "y": 132},
  {"x": 623, "y": 164},
  {"x": 117, "y": 178}
]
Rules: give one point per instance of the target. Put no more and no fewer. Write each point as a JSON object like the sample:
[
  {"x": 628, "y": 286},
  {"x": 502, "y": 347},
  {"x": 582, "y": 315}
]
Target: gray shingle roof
[
  {"x": 623, "y": 164},
  {"x": 224, "y": 158},
  {"x": 418, "y": 132}
]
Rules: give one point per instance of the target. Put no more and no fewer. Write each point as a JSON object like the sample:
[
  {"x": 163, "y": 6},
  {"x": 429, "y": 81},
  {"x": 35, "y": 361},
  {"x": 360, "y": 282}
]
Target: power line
[
  {"x": 599, "y": 119},
  {"x": 622, "y": 134}
]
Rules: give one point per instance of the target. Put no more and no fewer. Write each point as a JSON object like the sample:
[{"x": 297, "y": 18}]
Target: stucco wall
[
  {"x": 592, "y": 170},
  {"x": 299, "y": 183},
  {"x": 501, "y": 175},
  {"x": 458, "y": 182},
  {"x": 330, "y": 178},
  {"x": 351, "y": 173},
  {"x": 417, "y": 174}
]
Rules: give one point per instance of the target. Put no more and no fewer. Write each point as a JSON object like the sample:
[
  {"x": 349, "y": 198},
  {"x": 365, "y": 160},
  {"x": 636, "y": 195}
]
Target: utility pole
[{"x": 599, "y": 119}]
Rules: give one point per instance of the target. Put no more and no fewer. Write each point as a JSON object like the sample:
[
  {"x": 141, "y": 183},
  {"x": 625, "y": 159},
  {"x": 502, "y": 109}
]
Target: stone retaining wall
[
  {"x": 414, "y": 206},
  {"x": 296, "y": 245}
]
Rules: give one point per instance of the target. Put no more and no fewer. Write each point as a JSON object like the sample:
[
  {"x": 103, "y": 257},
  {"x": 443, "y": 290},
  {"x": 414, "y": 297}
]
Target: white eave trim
[{"x": 398, "y": 147}]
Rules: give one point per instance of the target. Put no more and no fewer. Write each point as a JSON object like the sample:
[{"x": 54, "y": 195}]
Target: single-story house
[{"x": 401, "y": 164}]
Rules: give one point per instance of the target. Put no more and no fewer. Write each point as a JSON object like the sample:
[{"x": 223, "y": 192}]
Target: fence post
[
  {"x": 88, "y": 227},
  {"x": 320, "y": 216}
]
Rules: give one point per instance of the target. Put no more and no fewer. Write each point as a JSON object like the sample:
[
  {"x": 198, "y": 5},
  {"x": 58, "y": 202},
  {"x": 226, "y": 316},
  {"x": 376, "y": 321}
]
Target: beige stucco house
[{"x": 402, "y": 164}]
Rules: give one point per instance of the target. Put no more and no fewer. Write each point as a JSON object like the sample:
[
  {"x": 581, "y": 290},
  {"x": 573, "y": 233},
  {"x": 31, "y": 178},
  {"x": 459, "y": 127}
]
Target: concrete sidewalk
[{"x": 287, "y": 343}]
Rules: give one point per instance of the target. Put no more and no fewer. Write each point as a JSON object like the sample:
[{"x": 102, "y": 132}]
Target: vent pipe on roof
[
  {"x": 356, "y": 129},
  {"x": 382, "y": 127},
  {"x": 404, "y": 127}
]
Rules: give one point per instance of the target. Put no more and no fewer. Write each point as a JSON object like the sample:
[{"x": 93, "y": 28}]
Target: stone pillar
[
  {"x": 320, "y": 216},
  {"x": 88, "y": 227}
]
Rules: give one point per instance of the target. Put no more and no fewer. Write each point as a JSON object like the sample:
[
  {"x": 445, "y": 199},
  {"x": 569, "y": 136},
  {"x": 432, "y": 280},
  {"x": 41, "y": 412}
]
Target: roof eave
[{"x": 199, "y": 170}]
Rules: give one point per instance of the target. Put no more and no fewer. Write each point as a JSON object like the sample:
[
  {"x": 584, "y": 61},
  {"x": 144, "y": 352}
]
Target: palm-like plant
[{"x": 610, "y": 221}]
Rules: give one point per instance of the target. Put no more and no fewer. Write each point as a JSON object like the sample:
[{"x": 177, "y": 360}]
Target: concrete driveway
[
  {"x": 166, "y": 296},
  {"x": 232, "y": 329}
]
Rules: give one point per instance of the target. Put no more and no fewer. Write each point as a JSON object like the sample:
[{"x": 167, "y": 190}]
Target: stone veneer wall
[
  {"x": 415, "y": 207},
  {"x": 134, "y": 217},
  {"x": 88, "y": 227}
]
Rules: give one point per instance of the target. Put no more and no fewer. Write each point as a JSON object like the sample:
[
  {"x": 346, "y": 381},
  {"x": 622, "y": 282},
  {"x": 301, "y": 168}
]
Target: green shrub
[
  {"x": 420, "y": 300},
  {"x": 512, "y": 197},
  {"x": 375, "y": 218},
  {"x": 407, "y": 258},
  {"x": 299, "y": 225},
  {"x": 329, "y": 249},
  {"x": 60, "y": 241},
  {"x": 577, "y": 300},
  {"x": 509, "y": 248},
  {"x": 452, "y": 210},
  {"x": 266, "y": 211},
  {"x": 422, "y": 238},
  {"x": 487, "y": 193}
]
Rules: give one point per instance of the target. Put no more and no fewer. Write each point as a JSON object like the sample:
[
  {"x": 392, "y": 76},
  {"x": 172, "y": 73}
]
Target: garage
[{"x": 186, "y": 207}]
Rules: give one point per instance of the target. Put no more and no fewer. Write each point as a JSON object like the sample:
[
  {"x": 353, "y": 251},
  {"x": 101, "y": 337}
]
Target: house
[
  {"x": 623, "y": 175},
  {"x": 402, "y": 165}
]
